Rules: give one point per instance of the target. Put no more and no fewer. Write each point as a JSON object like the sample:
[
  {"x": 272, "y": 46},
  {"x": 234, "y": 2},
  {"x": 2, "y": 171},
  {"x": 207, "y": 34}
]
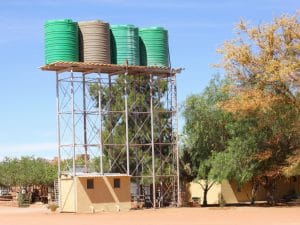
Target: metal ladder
[{"x": 56, "y": 191}]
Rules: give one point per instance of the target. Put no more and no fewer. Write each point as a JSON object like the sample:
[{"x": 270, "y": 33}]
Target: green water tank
[
  {"x": 125, "y": 44},
  {"x": 61, "y": 41},
  {"x": 154, "y": 46}
]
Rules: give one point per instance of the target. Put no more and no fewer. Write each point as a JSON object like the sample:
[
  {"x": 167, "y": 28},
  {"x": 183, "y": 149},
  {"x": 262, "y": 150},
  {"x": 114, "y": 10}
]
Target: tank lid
[
  {"x": 152, "y": 28},
  {"x": 59, "y": 21},
  {"x": 91, "y": 22},
  {"x": 123, "y": 26}
]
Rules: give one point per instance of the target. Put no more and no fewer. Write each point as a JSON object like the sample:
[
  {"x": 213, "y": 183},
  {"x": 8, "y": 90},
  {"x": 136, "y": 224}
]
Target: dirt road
[{"x": 172, "y": 216}]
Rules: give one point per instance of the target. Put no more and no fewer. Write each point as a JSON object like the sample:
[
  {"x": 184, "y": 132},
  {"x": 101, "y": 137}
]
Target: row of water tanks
[{"x": 98, "y": 42}]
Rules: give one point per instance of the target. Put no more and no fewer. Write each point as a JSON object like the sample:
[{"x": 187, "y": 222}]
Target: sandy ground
[{"x": 172, "y": 216}]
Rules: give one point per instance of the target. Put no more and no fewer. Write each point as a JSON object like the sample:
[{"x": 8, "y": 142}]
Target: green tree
[
  {"x": 139, "y": 122},
  {"x": 204, "y": 132},
  {"x": 9, "y": 171},
  {"x": 27, "y": 171},
  {"x": 262, "y": 64}
]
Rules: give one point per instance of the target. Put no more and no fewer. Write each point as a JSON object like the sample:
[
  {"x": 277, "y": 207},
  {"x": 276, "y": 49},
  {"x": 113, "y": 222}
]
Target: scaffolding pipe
[
  {"x": 84, "y": 123},
  {"x": 152, "y": 141},
  {"x": 100, "y": 123},
  {"x": 58, "y": 137},
  {"x": 177, "y": 147},
  {"x": 73, "y": 122},
  {"x": 126, "y": 124},
  {"x": 74, "y": 137},
  {"x": 109, "y": 111}
]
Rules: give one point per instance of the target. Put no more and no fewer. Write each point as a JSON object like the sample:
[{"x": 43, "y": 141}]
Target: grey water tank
[{"x": 94, "y": 41}]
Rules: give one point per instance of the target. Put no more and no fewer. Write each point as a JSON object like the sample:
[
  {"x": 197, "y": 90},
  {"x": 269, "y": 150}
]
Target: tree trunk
[
  {"x": 270, "y": 194},
  {"x": 254, "y": 192},
  {"x": 205, "y": 190},
  {"x": 269, "y": 185}
]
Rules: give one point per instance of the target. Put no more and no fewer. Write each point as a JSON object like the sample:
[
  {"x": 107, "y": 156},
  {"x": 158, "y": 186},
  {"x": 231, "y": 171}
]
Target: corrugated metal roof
[
  {"x": 109, "y": 68},
  {"x": 100, "y": 175}
]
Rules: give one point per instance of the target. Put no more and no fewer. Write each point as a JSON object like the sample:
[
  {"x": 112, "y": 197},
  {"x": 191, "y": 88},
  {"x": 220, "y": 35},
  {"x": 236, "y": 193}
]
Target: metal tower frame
[{"x": 103, "y": 127}]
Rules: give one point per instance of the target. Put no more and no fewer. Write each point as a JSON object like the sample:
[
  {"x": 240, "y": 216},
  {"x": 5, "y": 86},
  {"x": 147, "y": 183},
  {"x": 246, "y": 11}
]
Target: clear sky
[{"x": 27, "y": 95}]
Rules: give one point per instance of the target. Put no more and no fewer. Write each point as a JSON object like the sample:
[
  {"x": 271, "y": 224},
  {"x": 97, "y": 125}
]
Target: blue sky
[{"x": 27, "y": 95}]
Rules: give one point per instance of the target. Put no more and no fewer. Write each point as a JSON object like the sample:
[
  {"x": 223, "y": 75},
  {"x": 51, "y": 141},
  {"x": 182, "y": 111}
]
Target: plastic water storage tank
[
  {"x": 125, "y": 44},
  {"x": 61, "y": 41},
  {"x": 94, "y": 41},
  {"x": 154, "y": 46}
]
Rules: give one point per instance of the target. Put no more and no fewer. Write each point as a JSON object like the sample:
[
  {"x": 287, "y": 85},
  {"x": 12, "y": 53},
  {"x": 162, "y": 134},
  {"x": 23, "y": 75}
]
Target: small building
[
  {"x": 92, "y": 192},
  {"x": 232, "y": 194}
]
